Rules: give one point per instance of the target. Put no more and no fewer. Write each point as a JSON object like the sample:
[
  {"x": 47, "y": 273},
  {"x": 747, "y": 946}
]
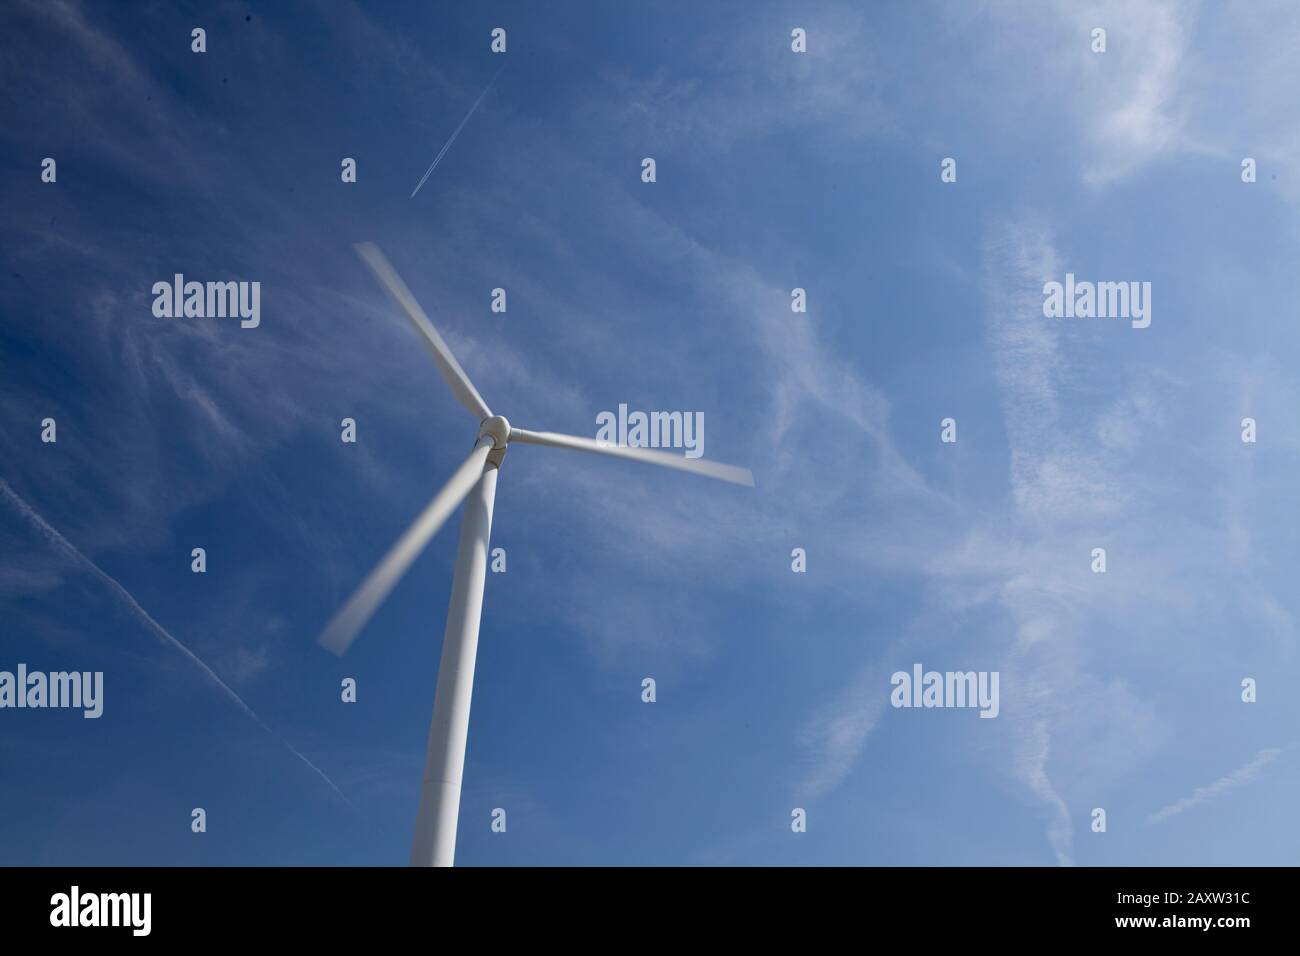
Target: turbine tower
[{"x": 474, "y": 483}]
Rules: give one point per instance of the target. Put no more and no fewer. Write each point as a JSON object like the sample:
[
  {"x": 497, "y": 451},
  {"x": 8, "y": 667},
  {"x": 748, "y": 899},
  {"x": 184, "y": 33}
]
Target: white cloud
[
  {"x": 835, "y": 736},
  {"x": 1238, "y": 778},
  {"x": 1136, "y": 113},
  {"x": 1031, "y": 765},
  {"x": 749, "y": 84}
]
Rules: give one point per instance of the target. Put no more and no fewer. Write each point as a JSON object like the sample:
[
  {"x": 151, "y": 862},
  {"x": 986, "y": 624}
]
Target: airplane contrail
[
  {"x": 64, "y": 545},
  {"x": 1239, "y": 777},
  {"x": 446, "y": 146}
]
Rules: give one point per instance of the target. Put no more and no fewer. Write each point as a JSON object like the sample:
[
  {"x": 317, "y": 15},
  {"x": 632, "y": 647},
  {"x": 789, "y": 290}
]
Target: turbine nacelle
[{"x": 497, "y": 429}]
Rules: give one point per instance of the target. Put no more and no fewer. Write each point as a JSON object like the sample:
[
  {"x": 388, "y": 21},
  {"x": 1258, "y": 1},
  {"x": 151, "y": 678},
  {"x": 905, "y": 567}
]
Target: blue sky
[{"x": 775, "y": 170}]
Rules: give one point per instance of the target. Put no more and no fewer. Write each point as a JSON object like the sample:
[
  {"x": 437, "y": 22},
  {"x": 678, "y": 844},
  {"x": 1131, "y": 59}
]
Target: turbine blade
[
  {"x": 351, "y": 618},
  {"x": 452, "y": 373},
  {"x": 697, "y": 466}
]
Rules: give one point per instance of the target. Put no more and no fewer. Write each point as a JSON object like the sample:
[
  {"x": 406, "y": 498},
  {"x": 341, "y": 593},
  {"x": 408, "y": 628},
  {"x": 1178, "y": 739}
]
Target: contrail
[
  {"x": 1238, "y": 777},
  {"x": 64, "y": 545},
  {"x": 446, "y": 146}
]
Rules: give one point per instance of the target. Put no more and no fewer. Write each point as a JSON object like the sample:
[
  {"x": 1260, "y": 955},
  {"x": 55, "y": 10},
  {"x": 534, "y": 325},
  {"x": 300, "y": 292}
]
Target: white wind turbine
[{"x": 474, "y": 482}]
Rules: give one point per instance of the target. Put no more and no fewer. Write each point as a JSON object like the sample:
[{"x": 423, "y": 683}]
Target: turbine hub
[{"x": 496, "y": 428}]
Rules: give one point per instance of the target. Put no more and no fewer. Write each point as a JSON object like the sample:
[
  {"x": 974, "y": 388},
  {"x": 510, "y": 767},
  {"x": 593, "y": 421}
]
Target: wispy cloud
[
  {"x": 1112, "y": 114},
  {"x": 835, "y": 737},
  {"x": 753, "y": 85},
  {"x": 70, "y": 551},
  {"x": 1238, "y": 778},
  {"x": 1027, "y": 362},
  {"x": 1139, "y": 114},
  {"x": 1031, "y": 765},
  {"x": 1060, "y": 486}
]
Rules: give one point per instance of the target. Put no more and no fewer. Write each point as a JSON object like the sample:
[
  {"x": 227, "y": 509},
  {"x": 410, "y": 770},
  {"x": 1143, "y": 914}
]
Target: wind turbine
[{"x": 474, "y": 483}]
